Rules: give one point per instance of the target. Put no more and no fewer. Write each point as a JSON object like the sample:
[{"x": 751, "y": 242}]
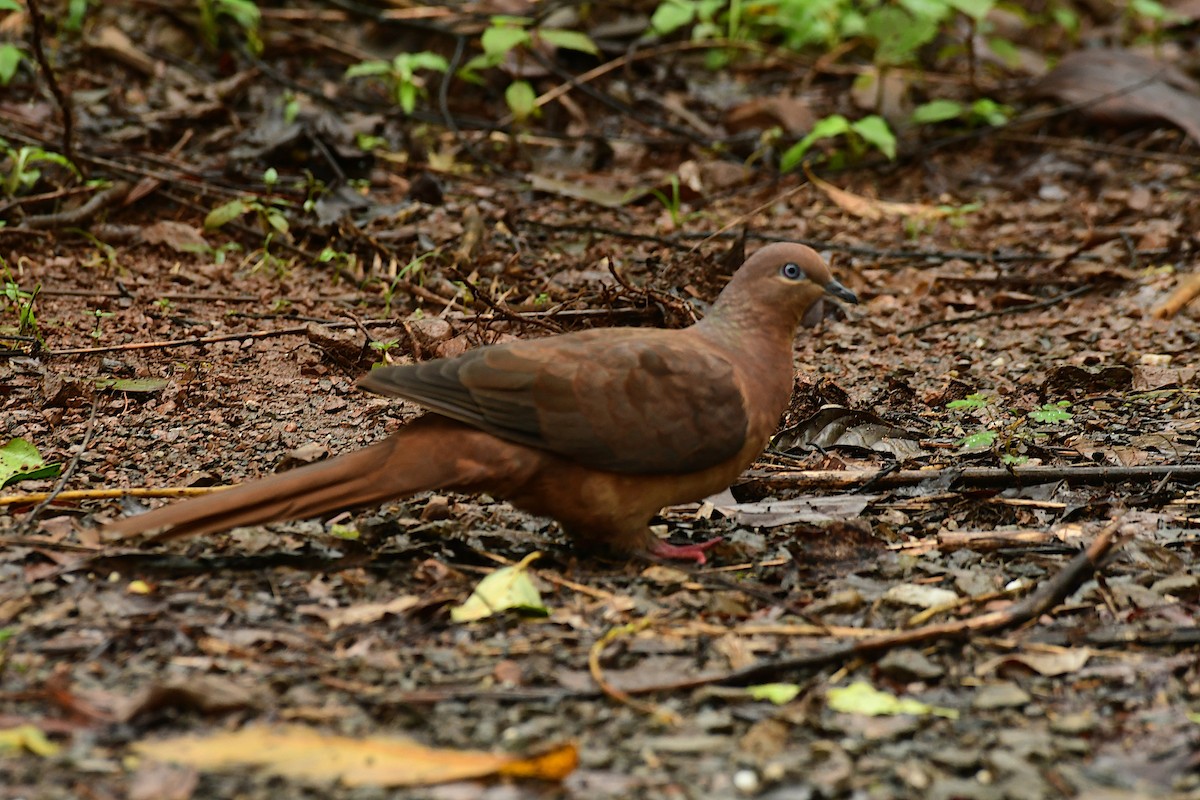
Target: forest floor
[{"x": 1021, "y": 280}]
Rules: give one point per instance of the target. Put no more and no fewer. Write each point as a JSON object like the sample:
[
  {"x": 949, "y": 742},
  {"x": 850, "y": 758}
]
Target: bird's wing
[{"x": 645, "y": 401}]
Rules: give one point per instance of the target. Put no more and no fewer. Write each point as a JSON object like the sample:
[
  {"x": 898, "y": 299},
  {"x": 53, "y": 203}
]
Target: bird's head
[{"x": 781, "y": 283}]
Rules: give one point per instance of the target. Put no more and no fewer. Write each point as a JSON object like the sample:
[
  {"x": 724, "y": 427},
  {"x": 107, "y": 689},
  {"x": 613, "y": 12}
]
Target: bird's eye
[{"x": 791, "y": 271}]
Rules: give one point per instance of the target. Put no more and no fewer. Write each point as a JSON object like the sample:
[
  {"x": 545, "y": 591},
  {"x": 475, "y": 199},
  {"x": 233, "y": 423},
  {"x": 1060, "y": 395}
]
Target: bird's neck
[
  {"x": 744, "y": 329},
  {"x": 760, "y": 346}
]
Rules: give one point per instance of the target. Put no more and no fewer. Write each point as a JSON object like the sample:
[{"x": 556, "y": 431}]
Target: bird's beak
[{"x": 840, "y": 292}]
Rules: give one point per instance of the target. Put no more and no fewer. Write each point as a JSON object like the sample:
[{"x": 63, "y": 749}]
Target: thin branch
[
  {"x": 64, "y": 103},
  {"x": 974, "y": 477}
]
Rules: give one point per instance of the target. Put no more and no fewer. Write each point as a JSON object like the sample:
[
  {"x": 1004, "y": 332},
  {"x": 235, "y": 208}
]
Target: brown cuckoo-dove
[{"x": 599, "y": 429}]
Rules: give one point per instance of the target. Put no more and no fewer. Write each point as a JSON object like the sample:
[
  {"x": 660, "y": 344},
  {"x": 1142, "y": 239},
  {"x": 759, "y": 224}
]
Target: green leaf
[
  {"x": 1148, "y": 8},
  {"x": 497, "y": 41},
  {"x": 936, "y": 111},
  {"x": 778, "y": 693},
  {"x": 831, "y": 126},
  {"x": 427, "y": 60},
  {"x": 861, "y": 698},
  {"x": 506, "y": 588},
  {"x": 76, "y": 10},
  {"x": 347, "y": 532},
  {"x": 672, "y": 15},
  {"x": 11, "y": 5},
  {"x": 406, "y": 95},
  {"x": 898, "y": 35},
  {"x": 368, "y": 68},
  {"x": 875, "y": 130},
  {"x": 132, "y": 385},
  {"x": 10, "y": 59},
  {"x": 244, "y": 12},
  {"x": 569, "y": 40},
  {"x": 991, "y": 112},
  {"x": 1006, "y": 50},
  {"x": 224, "y": 213},
  {"x": 976, "y": 400},
  {"x": 978, "y": 440},
  {"x": 975, "y": 9},
  {"x": 520, "y": 98},
  {"x": 1052, "y": 412},
  {"x": 277, "y": 221},
  {"x": 20, "y": 461}
]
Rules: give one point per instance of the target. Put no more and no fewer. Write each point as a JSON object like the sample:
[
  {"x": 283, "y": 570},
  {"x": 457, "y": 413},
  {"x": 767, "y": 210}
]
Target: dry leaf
[
  {"x": 305, "y": 754},
  {"x": 867, "y": 208}
]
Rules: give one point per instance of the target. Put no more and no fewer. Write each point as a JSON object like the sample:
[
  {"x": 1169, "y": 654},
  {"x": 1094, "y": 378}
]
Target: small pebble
[{"x": 746, "y": 781}]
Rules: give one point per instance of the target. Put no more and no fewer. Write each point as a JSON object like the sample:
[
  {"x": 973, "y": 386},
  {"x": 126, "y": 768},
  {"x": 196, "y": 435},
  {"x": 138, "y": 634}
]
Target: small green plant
[
  {"x": 97, "y": 332},
  {"x": 268, "y": 213},
  {"x": 244, "y": 13},
  {"x": 516, "y": 35},
  {"x": 671, "y": 202},
  {"x": 981, "y": 112},
  {"x": 1052, "y": 413},
  {"x": 76, "y": 11},
  {"x": 11, "y": 57},
  {"x": 413, "y": 271},
  {"x": 871, "y": 131},
  {"x": 20, "y": 301},
  {"x": 401, "y": 75},
  {"x": 17, "y": 171},
  {"x": 382, "y": 347},
  {"x": 347, "y": 261},
  {"x": 164, "y": 304},
  {"x": 1007, "y": 432}
]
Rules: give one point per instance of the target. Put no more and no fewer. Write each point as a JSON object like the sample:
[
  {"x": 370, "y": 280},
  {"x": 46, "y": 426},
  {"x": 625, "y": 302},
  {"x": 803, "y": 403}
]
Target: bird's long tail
[{"x": 410, "y": 461}]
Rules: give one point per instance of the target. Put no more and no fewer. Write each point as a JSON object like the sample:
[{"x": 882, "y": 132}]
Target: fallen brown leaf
[{"x": 305, "y": 754}]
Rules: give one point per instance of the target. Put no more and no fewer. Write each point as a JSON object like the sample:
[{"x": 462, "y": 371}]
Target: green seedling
[
  {"x": 515, "y": 36},
  {"x": 1007, "y": 433},
  {"x": 268, "y": 213},
  {"x": 20, "y": 301},
  {"x": 401, "y": 75},
  {"x": 11, "y": 57},
  {"x": 244, "y": 14},
  {"x": 17, "y": 171},
  {"x": 383, "y": 347},
  {"x": 99, "y": 315},
  {"x": 413, "y": 271},
  {"x": 871, "y": 131},
  {"x": 981, "y": 112}
]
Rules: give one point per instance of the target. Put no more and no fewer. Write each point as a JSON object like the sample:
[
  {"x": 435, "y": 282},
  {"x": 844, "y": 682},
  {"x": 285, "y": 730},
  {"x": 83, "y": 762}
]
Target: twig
[
  {"x": 221, "y": 337},
  {"x": 620, "y": 695},
  {"x": 64, "y": 104},
  {"x": 31, "y": 518},
  {"x": 1048, "y": 595},
  {"x": 1185, "y": 293},
  {"x": 109, "y": 494},
  {"x": 1000, "y": 312},
  {"x": 76, "y": 217},
  {"x": 975, "y": 477}
]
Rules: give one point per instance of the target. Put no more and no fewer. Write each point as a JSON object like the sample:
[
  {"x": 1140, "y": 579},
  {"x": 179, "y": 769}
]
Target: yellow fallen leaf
[
  {"x": 862, "y": 698},
  {"x": 778, "y": 693},
  {"x": 305, "y": 754},
  {"x": 506, "y": 588},
  {"x": 26, "y": 737},
  {"x": 867, "y": 208}
]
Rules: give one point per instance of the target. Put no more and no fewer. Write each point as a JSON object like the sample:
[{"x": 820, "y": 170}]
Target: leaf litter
[{"x": 1049, "y": 289}]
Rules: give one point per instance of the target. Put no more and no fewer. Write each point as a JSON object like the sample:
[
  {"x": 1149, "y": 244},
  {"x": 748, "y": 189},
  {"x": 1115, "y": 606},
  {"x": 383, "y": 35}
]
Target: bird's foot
[{"x": 683, "y": 552}]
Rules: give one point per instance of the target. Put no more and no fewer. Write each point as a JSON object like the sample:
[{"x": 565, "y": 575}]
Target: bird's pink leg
[{"x": 683, "y": 552}]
